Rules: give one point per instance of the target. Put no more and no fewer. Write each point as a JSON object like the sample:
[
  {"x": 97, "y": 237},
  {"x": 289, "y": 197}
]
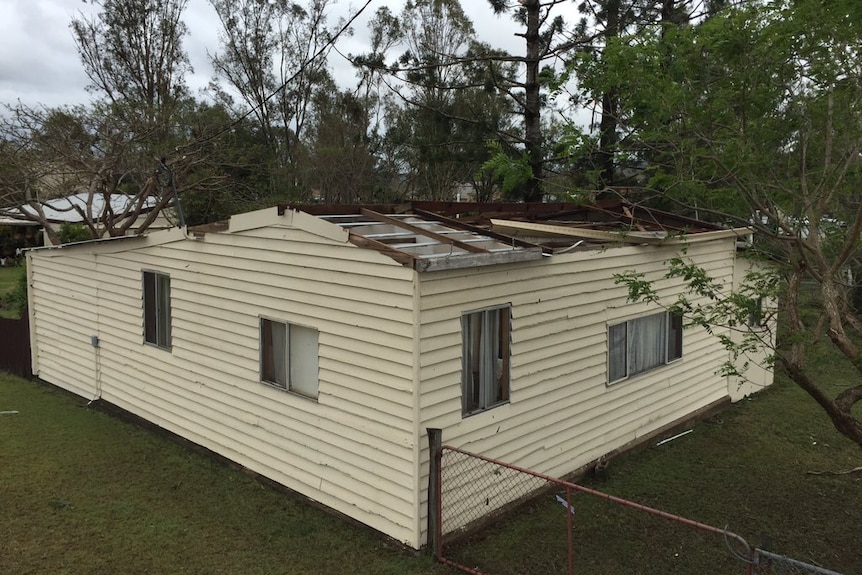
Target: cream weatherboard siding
[
  {"x": 562, "y": 413},
  {"x": 389, "y": 343},
  {"x": 353, "y": 449}
]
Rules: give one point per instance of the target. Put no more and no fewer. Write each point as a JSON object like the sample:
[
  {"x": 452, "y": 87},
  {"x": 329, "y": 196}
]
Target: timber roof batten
[
  {"x": 433, "y": 236},
  {"x": 429, "y": 236}
]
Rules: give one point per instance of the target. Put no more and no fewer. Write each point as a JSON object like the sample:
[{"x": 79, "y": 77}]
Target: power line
[{"x": 329, "y": 44}]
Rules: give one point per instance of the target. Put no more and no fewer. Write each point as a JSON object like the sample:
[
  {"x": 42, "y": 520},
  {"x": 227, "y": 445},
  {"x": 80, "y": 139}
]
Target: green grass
[
  {"x": 84, "y": 492},
  {"x": 8, "y": 280},
  {"x": 745, "y": 470}
]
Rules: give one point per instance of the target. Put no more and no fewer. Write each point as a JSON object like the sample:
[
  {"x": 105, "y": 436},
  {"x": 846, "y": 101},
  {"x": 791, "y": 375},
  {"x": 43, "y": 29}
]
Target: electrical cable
[{"x": 329, "y": 44}]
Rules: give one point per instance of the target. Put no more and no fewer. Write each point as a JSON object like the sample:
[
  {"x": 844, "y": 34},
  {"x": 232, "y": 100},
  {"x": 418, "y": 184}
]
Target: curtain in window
[
  {"x": 303, "y": 360},
  {"x": 646, "y": 342},
  {"x": 501, "y": 372},
  {"x": 486, "y": 358},
  {"x": 157, "y": 309},
  {"x": 471, "y": 327},
  {"x": 492, "y": 366}
]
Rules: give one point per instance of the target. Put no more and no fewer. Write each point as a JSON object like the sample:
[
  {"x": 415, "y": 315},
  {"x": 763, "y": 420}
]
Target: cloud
[
  {"x": 38, "y": 60},
  {"x": 39, "y": 63}
]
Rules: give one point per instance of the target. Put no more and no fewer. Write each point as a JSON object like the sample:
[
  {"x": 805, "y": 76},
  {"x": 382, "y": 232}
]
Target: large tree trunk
[
  {"x": 839, "y": 412},
  {"x": 840, "y": 408},
  {"x": 532, "y": 109},
  {"x": 610, "y": 103}
]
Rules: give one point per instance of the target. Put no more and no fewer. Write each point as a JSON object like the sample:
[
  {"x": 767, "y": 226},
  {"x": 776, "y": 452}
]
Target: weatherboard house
[{"x": 315, "y": 345}]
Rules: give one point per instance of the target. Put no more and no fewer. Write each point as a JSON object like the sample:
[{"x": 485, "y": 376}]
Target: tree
[
  {"x": 104, "y": 157},
  {"x": 340, "y": 165},
  {"x": 113, "y": 152},
  {"x": 754, "y": 116},
  {"x": 225, "y": 164},
  {"x": 52, "y": 153},
  {"x": 273, "y": 55},
  {"x": 621, "y": 20},
  {"x": 546, "y": 39},
  {"x": 448, "y": 85},
  {"x": 132, "y": 52}
]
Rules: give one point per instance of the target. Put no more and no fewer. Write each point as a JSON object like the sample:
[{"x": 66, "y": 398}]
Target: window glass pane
[
  {"x": 163, "y": 319},
  {"x": 303, "y": 360},
  {"x": 267, "y": 370},
  {"x": 157, "y": 309},
  {"x": 486, "y": 348},
  {"x": 646, "y": 342},
  {"x": 503, "y": 353},
  {"x": 470, "y": 333},
  {"x": 279, "y": 354},
  {"x": 273, "y": 352},
  {"x": 490, "y": 363},
  {"x": 755, "y": 318},
  {"x": 674, "y": 336},
  {"x": 617, "y": 352},
  {"x": 289, "y": 357},
  {"x": 150, "y": 308}
]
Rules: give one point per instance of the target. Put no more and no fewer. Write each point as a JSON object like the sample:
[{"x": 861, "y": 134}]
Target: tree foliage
[
  {"x": 754, "y": 116},
  {"x": 132, "y": 52},
  {"x": 273, "y": 55},
  {"x": 546, "y": 38},
  {"x": 449, "y": 101},
  {"x": 123, "y": 145}
]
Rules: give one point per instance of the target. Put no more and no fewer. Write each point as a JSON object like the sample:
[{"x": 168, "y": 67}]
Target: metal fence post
[
  {"x": 570, "y": 536},
  {"x": 435, "y": 539}
]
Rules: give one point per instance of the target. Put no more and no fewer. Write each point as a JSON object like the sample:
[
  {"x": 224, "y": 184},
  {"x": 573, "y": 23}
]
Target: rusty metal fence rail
[{"x": 571, "y": 528}]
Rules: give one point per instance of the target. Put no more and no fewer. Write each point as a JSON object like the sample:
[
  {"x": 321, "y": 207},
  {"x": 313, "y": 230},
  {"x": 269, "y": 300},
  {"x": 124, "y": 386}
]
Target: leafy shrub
[
  {"x": 74, "y": 233},
  {"x": 16, "y": 300}
]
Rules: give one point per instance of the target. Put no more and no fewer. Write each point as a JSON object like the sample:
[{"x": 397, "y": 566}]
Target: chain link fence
[{"x": 501, "y": 519}]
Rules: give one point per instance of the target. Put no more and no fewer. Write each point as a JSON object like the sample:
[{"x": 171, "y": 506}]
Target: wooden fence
[{"x": 15, "y": 346}]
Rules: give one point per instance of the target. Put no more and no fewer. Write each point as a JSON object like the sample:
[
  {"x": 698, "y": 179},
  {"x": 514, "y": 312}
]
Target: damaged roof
[{"x": 430, "y": 236}]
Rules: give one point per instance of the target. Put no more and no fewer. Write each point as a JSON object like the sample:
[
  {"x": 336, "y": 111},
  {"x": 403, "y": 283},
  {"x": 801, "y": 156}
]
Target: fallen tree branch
[{"x": 847, "y": 472}]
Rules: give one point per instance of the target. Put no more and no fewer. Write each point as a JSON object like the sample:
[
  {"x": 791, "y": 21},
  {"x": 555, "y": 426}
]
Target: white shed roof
[{"x": 69, "y": 208}]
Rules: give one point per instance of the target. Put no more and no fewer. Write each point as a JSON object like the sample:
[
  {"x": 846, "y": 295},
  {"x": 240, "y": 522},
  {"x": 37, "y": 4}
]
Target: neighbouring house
[
  {"x": 81, "y": 207},
  {"x": 315, "y": 345},
  {"x": 15, "y": 235}
]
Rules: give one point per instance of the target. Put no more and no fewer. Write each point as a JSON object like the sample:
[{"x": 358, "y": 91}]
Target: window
[
  {"x": 642, "y": 344},
  {"x": 157, "y": 309},
  {"x": 288, "y": 357},
  {"x": 486, "y": 349}
]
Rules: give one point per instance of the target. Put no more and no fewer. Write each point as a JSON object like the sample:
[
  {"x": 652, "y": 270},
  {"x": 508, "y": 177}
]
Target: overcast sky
[{"x": 39, "y": 63}]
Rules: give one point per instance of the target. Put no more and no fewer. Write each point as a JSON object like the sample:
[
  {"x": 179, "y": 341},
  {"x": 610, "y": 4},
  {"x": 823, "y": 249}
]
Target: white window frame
[
  {"x": 156, "y": 307},
  {"x": 626, "y": 340},
  {"x": 290, "y": 357},
  {"x": 486, "y": 351}
]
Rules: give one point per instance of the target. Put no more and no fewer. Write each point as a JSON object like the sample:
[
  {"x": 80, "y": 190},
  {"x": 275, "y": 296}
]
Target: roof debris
[{"x": 430, "y": 236}]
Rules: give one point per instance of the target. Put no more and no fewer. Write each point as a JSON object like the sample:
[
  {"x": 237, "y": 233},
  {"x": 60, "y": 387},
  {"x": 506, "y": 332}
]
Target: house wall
[
  {"x": 562, "y": 412},
  {"x": 757, "y": 375},
  {"x": 354, "y": 449}
]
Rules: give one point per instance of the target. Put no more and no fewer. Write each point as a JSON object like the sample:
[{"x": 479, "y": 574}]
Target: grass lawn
[{"x": 84, "y": 492}]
